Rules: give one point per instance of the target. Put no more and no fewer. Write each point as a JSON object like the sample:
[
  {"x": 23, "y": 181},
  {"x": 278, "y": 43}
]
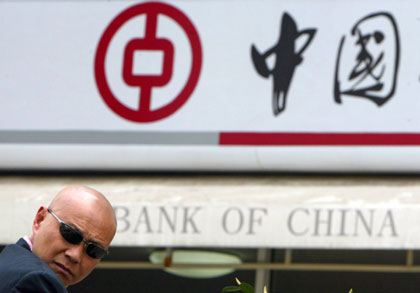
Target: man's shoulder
[
  {"x": 22, "y": 270},
  {"x": 19, "y": 257},
  {"x": 41, "y": 281}
]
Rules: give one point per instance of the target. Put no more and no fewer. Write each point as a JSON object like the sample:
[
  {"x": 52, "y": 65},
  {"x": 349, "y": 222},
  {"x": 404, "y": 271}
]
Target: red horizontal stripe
[{"x": 319, "y": 139}]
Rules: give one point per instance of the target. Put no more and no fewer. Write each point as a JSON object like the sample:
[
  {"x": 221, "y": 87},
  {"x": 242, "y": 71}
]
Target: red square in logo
[{"x": 150, "y": 80}]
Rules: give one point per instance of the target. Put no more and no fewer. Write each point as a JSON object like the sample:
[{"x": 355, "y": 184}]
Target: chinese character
[
  {"x": 287, "y": 57},
  {"x": 367, "y": 66}
]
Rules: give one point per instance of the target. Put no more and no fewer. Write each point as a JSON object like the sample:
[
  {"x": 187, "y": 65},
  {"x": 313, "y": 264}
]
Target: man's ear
[{"x": 39, "y": 219}]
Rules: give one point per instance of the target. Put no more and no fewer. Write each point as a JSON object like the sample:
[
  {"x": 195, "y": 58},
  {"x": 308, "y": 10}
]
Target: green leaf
[
  {"x": 246, "y": 288},
  {"x": 351, "y": 291},
  {"x": 231, "y": 289}
]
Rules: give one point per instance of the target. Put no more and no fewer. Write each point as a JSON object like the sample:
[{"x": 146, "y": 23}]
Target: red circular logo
[{"x": 150, "y": 42}]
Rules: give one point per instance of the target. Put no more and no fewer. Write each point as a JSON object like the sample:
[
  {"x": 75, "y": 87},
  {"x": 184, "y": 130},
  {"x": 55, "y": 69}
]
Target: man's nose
[{"x": 75, "y": 252}]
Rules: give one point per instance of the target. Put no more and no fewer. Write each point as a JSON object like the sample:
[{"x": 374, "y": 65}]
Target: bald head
[
  {"x": 83, "y": 197},
  {"x": 89, "y": 200},
  {"x": 86, "y": 210}
]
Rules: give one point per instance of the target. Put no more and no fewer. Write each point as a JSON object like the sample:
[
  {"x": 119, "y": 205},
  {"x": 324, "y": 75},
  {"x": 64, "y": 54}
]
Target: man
[{"x": 68, "y": 240}]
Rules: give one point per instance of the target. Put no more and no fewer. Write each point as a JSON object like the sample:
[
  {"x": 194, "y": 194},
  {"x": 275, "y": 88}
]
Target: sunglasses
[{"x": 71, "y": 235}]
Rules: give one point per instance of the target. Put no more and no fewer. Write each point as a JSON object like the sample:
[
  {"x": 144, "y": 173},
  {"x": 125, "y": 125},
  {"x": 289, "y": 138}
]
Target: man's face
[{"x": 70, "y": 262}]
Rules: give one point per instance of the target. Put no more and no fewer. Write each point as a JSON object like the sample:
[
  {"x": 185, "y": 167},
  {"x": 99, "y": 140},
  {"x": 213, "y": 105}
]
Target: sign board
[
  {"x": 236, "y": 212},
  {"x": 225, "y": 85}
]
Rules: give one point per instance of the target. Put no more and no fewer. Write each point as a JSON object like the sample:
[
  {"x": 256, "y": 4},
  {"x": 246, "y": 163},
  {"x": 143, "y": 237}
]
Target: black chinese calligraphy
[
  {"x": 287, "y": 57},
  {"x": 367, "y": 65}
]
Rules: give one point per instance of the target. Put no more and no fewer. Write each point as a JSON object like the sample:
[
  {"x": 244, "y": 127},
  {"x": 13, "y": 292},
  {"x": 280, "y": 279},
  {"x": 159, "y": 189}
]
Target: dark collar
[{"x": 22, "y": 242}]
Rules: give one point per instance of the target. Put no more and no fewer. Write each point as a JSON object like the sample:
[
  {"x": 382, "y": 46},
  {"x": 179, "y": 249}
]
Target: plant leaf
[
  {"x": 351, "y": 291},
  {"x": 246, "y": 288},
  {"x": 231, "y": 289}
]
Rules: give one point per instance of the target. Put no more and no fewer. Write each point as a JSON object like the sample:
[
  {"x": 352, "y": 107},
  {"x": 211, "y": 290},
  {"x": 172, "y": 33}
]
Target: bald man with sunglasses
[{"x": 68, "y": 240}]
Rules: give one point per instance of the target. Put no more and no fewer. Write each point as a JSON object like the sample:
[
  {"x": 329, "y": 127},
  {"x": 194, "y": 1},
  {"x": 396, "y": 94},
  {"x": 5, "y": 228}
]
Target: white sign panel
[
  {"x": 265, "y": 212},
  {"x": 236, "y": 85},
  {"x": 266, "y": 226}
]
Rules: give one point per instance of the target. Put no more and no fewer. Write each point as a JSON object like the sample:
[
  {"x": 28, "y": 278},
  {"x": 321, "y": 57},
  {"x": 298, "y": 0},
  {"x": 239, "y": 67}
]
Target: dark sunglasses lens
[
  {"x": 95, "y": 251},
  {"x": 71, "y": 235}
]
